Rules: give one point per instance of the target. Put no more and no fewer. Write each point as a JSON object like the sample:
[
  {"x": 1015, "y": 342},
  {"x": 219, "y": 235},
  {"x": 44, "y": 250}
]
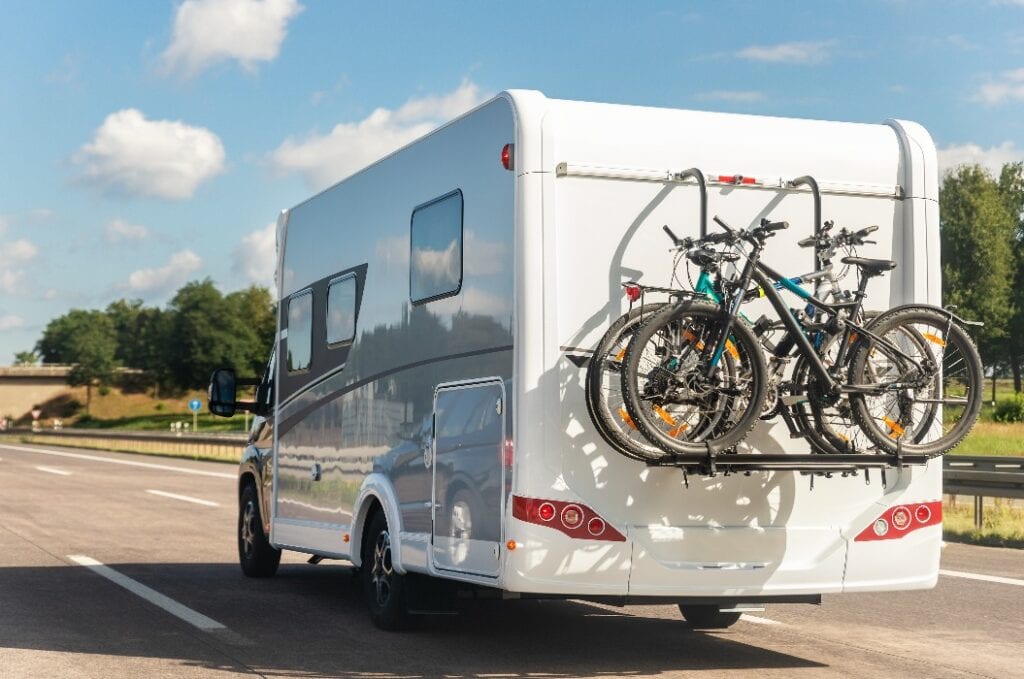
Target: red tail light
[
  {"x": 507, "y": 159},
  {"x": 508, "y": 454},
  {"x": 632, "y": 291},
  {"x": 575, "y": 520},
  {"x": 899, "y": 520}
]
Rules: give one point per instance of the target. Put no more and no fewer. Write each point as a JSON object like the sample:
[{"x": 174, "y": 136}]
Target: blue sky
[{"x": 148, "y": 144}]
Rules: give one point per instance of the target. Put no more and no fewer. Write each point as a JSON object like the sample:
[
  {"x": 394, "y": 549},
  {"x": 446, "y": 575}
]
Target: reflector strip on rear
[
  {"x": 526, "y": 509},
  {"x": 899, "y": 520}
]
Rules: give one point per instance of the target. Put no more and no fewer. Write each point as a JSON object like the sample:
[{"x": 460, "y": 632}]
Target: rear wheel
[
  {"x": 708, "y": 616},
  {"x": 384, "y": 587},
  {"x": 255, "y": 553}
]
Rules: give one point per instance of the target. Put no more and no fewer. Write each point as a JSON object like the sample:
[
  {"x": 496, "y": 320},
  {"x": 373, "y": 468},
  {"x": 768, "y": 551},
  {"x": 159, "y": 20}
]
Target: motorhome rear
[{"x": 437, "y": 311}]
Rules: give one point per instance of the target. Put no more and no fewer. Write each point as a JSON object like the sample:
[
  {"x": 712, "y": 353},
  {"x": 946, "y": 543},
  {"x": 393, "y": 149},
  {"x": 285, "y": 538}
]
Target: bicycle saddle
[{"x": 871, "y": 267}]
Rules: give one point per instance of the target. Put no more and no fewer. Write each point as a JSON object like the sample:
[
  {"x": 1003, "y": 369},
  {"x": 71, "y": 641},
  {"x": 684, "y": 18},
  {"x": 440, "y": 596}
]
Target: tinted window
[
  {"x": 436, "y": 258},
  {"x": 300, "y": 331},
  {"x": 341, "y": 310}
]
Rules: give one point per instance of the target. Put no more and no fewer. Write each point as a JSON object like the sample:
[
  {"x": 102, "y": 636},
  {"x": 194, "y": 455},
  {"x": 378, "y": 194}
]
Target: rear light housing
[
  {"x": 508, "y": 156},
  {"x": 899, "y": 520},
  {"x": 632, "y": 291},
  {"x": 572, "y": 518}
]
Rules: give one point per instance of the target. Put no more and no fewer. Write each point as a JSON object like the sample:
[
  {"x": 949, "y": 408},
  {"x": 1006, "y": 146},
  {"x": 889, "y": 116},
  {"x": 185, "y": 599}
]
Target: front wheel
[
  {"x": 708, "y": 616},
  {"x": 256, "y": 555},
  {"x": 383, "y": 585},
  {"x": 921, "y": 385}
]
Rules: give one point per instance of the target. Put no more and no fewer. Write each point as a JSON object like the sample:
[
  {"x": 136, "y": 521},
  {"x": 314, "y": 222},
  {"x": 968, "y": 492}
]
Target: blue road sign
[{"x": 195, "y": 405}]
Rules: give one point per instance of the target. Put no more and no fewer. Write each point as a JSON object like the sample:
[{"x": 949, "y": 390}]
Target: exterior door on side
[{"x": 468, "y": 481}]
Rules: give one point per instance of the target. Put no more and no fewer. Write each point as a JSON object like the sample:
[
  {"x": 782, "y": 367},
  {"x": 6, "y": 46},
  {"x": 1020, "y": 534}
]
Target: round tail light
[
  {"x": 901, "y": 518},
  {"x": 881, "y": 527},
  {"x": 572, "y": 516},
  {"x": 923, "y": 513},
  {"x": 595, "y": 526},
  {"x": 546, "y": 511}
]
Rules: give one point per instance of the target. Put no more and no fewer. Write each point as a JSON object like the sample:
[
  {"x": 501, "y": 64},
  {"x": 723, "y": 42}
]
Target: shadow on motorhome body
[{"x": 319, "y": 629}]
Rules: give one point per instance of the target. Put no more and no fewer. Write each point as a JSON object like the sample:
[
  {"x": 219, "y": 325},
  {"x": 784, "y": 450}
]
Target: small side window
[
  {"x": 435, "y": 260},
  {"x": 341, "y": 310},
  {"x": 300, "y": 331}
]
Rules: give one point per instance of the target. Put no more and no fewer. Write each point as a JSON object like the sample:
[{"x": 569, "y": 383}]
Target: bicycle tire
[
  {"x": 869, "y": 411},
  {"x": 604, "y": 371},
  {"x": 746, "y": 388}
]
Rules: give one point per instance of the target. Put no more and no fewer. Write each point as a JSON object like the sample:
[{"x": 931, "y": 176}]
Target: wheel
[
  {"x": 708, "y": 616},
  {"x": 255, "y": 554},
  {"x": 667, "y": 389},
  {"x": 604, "y": 387},
  {"x": 921, "y": 396},
  {"x": 383, "y": 585}
]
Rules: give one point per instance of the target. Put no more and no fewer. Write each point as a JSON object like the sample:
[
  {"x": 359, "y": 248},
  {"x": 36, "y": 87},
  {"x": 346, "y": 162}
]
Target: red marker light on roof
[
  {"x": 506, "y": 156},
  {"x": 632, "y": 291}
]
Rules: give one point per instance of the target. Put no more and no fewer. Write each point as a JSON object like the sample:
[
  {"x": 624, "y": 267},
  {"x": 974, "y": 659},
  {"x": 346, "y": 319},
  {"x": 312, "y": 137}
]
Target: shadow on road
[{"x": 310, "y": 621}]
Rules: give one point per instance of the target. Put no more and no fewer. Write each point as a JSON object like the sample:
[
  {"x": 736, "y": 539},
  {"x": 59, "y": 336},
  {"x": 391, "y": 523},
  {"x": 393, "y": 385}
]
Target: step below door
[{"x": 468, "y": 477}]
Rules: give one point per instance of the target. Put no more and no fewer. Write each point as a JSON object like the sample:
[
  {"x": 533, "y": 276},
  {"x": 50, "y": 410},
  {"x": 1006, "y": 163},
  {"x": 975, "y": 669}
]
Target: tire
[
  {"x": 947, "y": 367},
  {"x": 708, "y": 616},
  {"x": 604, "y": 388},
  {"x": 383, "y": 586},
  {"x": 665, "y": 394},
  {"x": 256, "y": 556}
]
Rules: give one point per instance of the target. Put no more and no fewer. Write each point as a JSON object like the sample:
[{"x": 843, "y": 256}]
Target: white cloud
[
  {"x": 207, "y": 32},
  {"x": 167, "y": 277},
  {"x": 160, "y": 158},
  {"x": 11, "y": 322},
  {"x": 1009, "y": 86},
  {"x": 21, "y": 250},
  {"x": 808, "y": 52},
  {"x": 120, "y": 231},
  {"x": 325, "y": 159},
  {"x": 735, "y": 96},
  {"x": 256, "y": 256},
  {"x": 992, "y": 158}
]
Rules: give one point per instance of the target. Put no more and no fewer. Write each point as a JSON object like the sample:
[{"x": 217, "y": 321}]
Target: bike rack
[
  {"x": 712, "y": 463},
  {"x": 694, "y": 173},
  {"x": 810, "y": 182}
]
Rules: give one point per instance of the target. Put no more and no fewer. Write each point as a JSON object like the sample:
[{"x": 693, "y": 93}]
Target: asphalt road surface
[{"x": 125, "y": 566}]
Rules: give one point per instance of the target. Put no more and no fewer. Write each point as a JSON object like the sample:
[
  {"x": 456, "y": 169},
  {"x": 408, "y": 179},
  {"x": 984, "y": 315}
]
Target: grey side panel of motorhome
[{"x": 365, "y": 406}]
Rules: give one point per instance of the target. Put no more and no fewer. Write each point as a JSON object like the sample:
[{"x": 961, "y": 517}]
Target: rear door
[{"x": 468, "y": 476}]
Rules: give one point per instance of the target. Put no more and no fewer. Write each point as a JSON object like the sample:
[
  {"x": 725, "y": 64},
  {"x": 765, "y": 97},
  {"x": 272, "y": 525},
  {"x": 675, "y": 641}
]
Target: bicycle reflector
[
  {"x": 632, "y": 291},
  {"x": 507, "y": 161}
]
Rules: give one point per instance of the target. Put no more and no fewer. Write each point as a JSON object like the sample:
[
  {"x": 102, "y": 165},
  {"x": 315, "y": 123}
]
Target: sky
[{"x": 148, "y": 144}]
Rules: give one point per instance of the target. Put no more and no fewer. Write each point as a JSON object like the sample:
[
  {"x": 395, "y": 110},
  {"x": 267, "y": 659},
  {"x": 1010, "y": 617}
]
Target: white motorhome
[{"x": 425, "y": 414}]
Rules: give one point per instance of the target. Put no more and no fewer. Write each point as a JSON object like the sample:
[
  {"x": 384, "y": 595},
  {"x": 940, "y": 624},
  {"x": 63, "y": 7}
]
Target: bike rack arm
[
  {"x": 811, "y": 182},
  {"x": 694, "y": 173}
]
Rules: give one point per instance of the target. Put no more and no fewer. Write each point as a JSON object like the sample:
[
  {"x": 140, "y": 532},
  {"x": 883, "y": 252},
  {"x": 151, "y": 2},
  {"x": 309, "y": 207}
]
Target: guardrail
[
  {"x": 196, "y": 446},
  {"x": 983, "y": 476}
]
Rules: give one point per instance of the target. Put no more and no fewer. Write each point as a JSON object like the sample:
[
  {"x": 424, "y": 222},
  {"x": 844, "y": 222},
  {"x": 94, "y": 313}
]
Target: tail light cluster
[
  {"x": 899, "y": 520},
  {"x": 572, "y": 518}
]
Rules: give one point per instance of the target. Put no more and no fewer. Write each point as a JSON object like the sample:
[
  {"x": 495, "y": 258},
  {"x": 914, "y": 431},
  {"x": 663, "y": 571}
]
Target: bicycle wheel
[
  {"x": 666, "y": 388},
  {"x": 921, "y": 396},
  {"x": 604, "y": 387}
]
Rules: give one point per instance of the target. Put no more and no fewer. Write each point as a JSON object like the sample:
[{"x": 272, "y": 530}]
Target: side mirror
[{"x": 222, "y": 392}]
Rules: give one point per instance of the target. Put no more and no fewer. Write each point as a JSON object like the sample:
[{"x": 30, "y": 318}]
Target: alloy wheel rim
[
  {"x": 248, "y": 530},
  {"x": 382, "y": 571}
]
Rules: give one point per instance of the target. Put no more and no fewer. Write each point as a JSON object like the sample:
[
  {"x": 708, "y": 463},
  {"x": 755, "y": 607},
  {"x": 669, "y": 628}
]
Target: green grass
[
  {"x": 1002, "y": 524},
  {"x": 993, "y": 438},
  {"x": 163, "y": 422}
]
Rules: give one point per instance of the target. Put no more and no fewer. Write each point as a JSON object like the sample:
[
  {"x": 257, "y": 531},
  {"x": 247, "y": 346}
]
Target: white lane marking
[
  {"x": 53, "y": 470},
  {"x": 130, "y": 463},
  {"x": 983, "y": 578},
  {"x": 180, "y": 611},
  {"x": 184, "y": 498},
  {"x": 758, "y": 620}
]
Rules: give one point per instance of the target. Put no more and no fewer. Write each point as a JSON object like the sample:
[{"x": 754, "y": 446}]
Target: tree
[
  {"x": 1011, "y": 187},
  {"x": 978, "y": 262},
  {"x": 88, "y": 341},
  {"x": 26, "y": 358}
]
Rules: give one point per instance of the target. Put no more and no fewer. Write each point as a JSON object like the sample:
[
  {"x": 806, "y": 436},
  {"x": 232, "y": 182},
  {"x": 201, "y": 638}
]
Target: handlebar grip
[
  {"x": 675, "y": 238},
  {"x": 867, "y": 229},
  {"x": 807, "y": 242},
  {"x": 774, "y": 226},
  {"x": 718, "y": 220}
]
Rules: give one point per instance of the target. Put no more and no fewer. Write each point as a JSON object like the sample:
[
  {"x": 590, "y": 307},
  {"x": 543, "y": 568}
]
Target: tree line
[
  {"x": 176, "y": 347},
  {"x": 981, "y": 219}
]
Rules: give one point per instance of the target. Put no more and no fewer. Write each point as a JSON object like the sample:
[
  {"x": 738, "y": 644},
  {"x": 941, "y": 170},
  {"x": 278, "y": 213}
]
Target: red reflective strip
[
  {"x": 526, "y": 509},
  {"x": 735, "y": 179},
  {"x": 899, "y": 520}
]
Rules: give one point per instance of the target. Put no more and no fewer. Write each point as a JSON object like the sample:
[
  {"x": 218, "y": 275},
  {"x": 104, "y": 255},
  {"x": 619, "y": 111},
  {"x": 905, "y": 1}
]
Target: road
[{"x": 61, "y": 615}]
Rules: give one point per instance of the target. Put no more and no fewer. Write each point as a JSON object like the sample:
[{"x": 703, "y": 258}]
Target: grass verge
[
  {"x": 1002, "y": 523},
  {"x": 229, "y": 453}
]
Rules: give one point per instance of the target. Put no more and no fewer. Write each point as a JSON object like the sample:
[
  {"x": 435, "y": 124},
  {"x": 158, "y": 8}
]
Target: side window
[
  {"x": 435, "y": 260},
  {"x": 341, "y": 310},
  {"x": 300, "y": 331}
]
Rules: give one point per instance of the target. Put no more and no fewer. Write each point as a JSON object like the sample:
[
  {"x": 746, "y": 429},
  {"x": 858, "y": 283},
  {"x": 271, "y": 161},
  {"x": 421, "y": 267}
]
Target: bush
[
  {"x": 159, "y": 406},
  {"x": 1009, "y": 409},
  {"x": 103, "y": 390}
]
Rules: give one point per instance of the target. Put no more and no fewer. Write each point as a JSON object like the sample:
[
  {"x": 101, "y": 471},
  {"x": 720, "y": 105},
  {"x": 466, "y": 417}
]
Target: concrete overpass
[{"x": 23, "y": 386}]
